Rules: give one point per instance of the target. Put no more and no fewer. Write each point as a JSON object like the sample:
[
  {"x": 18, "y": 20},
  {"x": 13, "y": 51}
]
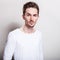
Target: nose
[{"x": 31, "y": 17}]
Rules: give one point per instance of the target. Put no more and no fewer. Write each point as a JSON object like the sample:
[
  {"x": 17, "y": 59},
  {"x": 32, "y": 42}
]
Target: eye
[
  {"x": 28, "y": 14},
  {"x": 35, "y": 15}
]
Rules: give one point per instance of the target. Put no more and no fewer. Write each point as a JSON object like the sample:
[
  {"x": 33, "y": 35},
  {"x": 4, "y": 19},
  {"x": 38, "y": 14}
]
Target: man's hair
[{"x": 29, "y": 5}]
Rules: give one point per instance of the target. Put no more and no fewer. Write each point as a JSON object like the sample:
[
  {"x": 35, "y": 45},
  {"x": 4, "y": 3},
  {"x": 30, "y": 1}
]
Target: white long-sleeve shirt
[{"x": 23, "y": 46}]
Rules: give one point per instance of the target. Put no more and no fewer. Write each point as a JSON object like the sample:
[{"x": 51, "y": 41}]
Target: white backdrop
[{"x": 48, "y": 23}]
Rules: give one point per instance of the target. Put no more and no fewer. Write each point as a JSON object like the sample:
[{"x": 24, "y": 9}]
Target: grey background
[{"x": 48, "y": 23}]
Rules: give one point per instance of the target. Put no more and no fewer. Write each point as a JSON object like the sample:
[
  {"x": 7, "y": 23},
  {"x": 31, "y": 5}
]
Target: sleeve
[
  {"x": 41, "y": 48},
  {"x": 9, "y": 48}
]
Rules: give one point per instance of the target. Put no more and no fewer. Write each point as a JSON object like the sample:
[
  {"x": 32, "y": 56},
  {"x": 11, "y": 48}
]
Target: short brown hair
[{"x": 30, "y": 4}]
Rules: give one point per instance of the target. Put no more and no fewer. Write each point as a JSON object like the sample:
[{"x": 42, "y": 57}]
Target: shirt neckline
[{"x": 26, "y": 33}]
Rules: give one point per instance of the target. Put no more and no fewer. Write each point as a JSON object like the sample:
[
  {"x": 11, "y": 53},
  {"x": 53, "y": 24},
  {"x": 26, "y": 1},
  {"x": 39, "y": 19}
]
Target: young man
[{"x": 25, "y": 43}]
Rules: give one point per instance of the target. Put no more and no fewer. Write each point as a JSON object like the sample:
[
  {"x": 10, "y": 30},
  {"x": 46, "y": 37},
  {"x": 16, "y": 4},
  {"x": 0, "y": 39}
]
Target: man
[{"x": 25, "y": 43}]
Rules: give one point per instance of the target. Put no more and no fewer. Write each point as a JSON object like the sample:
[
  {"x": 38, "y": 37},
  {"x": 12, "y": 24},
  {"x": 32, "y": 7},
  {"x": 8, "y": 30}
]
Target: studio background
[{"x": 48, "y": 23}]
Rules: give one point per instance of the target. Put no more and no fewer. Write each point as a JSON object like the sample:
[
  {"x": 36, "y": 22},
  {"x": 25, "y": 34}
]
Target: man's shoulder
[
  {"x": 39, "y": 31},
  {"x": 13, "y": 32}
]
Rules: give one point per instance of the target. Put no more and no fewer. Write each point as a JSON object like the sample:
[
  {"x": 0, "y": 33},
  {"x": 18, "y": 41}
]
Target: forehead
[{"x": 31, "y": 10}]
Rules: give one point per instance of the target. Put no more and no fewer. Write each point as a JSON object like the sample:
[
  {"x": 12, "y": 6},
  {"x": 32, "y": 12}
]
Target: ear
[{"x": 23, "y": 17}]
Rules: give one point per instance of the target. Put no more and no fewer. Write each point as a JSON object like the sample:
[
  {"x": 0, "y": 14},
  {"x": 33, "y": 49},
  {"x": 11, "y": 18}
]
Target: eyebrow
[{"x": 30, "y": 14}]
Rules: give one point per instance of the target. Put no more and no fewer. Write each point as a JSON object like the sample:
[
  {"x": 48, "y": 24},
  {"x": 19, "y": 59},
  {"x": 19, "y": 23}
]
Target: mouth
[{"x": 31, "y": 22}]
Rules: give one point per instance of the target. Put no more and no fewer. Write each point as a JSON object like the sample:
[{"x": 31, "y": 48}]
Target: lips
[{"x": 31, "y": 22}]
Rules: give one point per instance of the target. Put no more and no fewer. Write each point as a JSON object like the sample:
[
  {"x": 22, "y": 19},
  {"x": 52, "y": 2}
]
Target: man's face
[{"x": 31, "y": 17}]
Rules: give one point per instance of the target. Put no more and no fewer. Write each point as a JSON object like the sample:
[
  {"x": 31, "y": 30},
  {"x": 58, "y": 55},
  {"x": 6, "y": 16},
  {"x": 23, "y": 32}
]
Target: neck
[{"x": 28, "y": 29}]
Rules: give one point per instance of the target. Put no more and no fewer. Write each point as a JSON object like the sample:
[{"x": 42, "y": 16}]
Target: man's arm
[
  {"x": 10, "y": 46},
  {"x": 41, "y": 48}
]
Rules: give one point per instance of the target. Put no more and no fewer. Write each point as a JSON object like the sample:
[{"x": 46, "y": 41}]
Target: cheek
[
  {"x": 27, "y": 18},
  {"x": 35, "y": 19}
]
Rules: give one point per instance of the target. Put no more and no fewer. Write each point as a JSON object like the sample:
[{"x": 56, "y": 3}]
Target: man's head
[
  {"x": 30, "y": 13},
  {"x": 30, "y": 5}
]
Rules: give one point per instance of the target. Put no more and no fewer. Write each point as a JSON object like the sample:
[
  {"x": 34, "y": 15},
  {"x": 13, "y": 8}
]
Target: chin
[{"x": 31, "y": 26}]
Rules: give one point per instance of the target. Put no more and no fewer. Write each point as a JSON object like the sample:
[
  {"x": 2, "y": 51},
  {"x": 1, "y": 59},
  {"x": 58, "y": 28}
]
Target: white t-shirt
[{"x": 24, "y": 46}]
